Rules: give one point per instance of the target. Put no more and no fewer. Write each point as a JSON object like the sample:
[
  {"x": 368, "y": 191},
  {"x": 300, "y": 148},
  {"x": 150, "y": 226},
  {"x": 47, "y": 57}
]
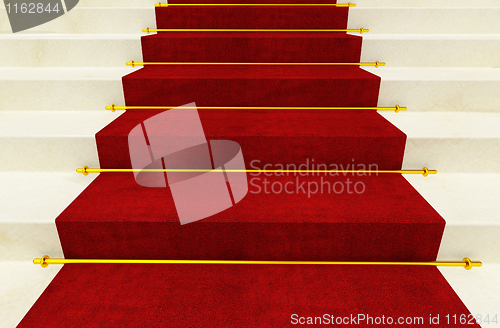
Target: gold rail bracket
[
  {"x": 468, "y": 263},
  {"x": 111, "y": 108},
  {"x": 84, "y": 170},
  {"x": 42, "y": 262}
]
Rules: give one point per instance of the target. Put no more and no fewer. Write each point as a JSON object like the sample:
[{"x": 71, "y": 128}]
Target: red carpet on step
[
  {"x": 241, "y": 296},
  {"x": 389, "y": 221},
  {"x": 252, "y": 47},
  {"x": 279, "y": 136},
  {"x": 251, "y": 85},
  {"x": 251, "y": 17}
]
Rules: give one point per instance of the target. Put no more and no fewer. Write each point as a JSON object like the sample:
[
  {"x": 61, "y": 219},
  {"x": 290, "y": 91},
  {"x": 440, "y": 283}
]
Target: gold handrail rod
[
  {"x": 86, "y": 170},
  {"x": 376, "y": 64},
  {"x": 152, "y": 30},
  {"x": 114, "y": 108},
  {"x": 256, "y": 4},
  {"x": 46, "y": 261}
]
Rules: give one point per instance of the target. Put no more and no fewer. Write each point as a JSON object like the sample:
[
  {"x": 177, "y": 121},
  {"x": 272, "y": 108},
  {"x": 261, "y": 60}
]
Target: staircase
[{"x": 442, "y": 64}]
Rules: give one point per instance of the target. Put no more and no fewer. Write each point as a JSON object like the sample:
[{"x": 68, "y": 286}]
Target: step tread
[
  {"x": 232, "y": 123},
  {"x": 261, "y": 17},
  {"x": 424, "y": 74},
  {"x": 386, "y": 197},
  {"x": 277, "y": 136},
  {"x": 251, "y": 85},
  {"x": 134, "y": 36},
  {"x": 447, "y": 125},
  {"x": 229, "y": 295},
  {"x": 52, "y": 192},
  {"x": 413, "y": 20},
  {"x": 63, "y": 73},
  {"x": 250, "y": 35},
  {"x": 116, "y": 73},
  {"x": 251, "y": 47},
  {"x": 275, "y": 72},
  {"x": 53, "y": 124},
  {"x": 140, "y": 222}
]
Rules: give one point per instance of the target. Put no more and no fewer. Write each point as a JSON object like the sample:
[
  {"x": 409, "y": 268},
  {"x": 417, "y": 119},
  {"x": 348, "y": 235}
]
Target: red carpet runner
[{"x": 389, "y": 221}]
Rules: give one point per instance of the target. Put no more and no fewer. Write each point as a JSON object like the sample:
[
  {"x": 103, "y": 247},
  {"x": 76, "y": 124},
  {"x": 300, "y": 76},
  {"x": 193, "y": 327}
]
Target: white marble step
[
  {"x": 450, "y": 142},
  {"x": 360, "y": 3},
  {"x": 423, "y": 20},
  {"x": 128, "y": 3},
  {"x": 413, "y": 3},
  {"x": 91, "y": 20},
  {"x": 440, "y": 89},
  {"x": 432, "y": 50},
  {"x": 479, "y": 290},
  {"x": 469, "y": 204},
  {"x": 50, "y": 141},
  {"x": 380, "y": 20},
  {"x": 65, "y": 50},
  {"x": 32, "y": 200},
  {"x": 114, "y": 50},
  {"x": 91, "y": 89},
  {"x": 22, "y": 284},
  {"x": 62, "y": 141},
  {"x": 56, "y": 89}
]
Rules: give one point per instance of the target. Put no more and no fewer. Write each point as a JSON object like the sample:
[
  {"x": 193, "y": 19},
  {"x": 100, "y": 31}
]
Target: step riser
[
  {"x": 60, "y": 94},
  {"x": 359, "y": 3},
  {"x": 482, "y": 242},
  {"x": 454, "y": 155},
  {"x": 342, "y": 242},
  {"x": 439, "y": 52},
  {"x": 54, "y": 52},
  {"x": 428, "y": 4},
  {"x": 271, "y": 91},
  {"x": 317, "y": 141},
  {"x": 261, "y": 49},
  {"x": 407, "y": 20},
  {"x": 26, "y": 241},
  {"x": 426, "y": 20},
  {"x": 96, "y": 93},
  {"x": 467, "y": 156},
  {"x": 441, "y": 95},
  {"x": 193, "y": 17},
  {"x": 92, "y": 20},
  {"x": 379, "y": 152},
  {"x": 446, "y": 52},
  {"x": 47, "y": 154},
  {"x": 263, "y": 225}
]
